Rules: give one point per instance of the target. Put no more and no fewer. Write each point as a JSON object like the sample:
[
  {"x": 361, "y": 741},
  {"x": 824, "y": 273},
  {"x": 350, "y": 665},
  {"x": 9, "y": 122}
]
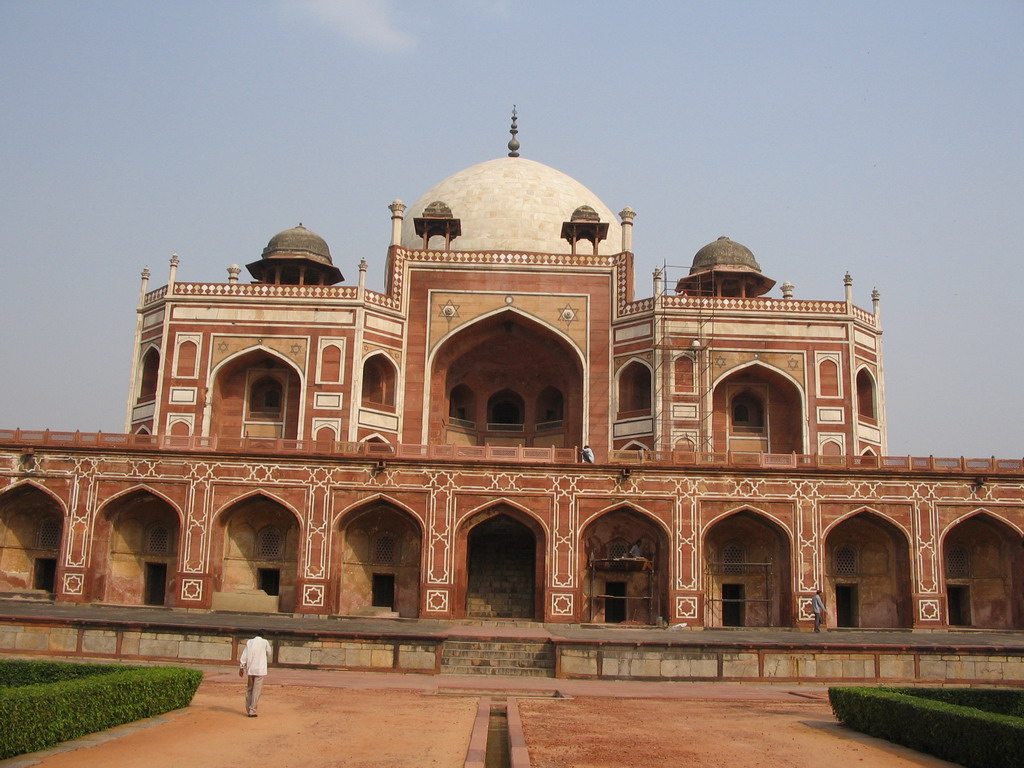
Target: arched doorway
[
  {"x": 624, "y": 569},
  {"x": 867, "y": 573},
  {"x": 757, "y": 409},
  {"x": 983, "y": 566},
  {"x": 256, "y": 550},
  {"x": 504, "y": 556},
  {"x": 377, "y": 562},
  {"x": 31, "y": 533},
  {"x": 135, "y": 550},
  {"x": 747, "y": 574},
  {"x": 507, "y": 380},
  {"x": 256, "y": 395}
]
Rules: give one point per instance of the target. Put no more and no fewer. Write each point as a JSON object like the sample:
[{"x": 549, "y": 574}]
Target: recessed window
[
  {"x": 846, "y": 561},
  {"x": 958, "y": 563},
  {"x": 385, "y": 549},
  {"x": 379, "y": 378},
  {"x": 733, "y": 558},
  {"x": 158, "y": 540},
  {"x": 617, "y": 548},
  {"x": 48, "y": 534},
  {"x": 747, "y": 413},
  {"x": 635, "y": 389},
  {"x": 865, "y": 394},
  {"x": 265, "y": 397},
  {"x": 269, "y": 543}
]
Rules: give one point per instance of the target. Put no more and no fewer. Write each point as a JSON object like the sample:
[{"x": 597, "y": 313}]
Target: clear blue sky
[{"x": 884, "y": 139}]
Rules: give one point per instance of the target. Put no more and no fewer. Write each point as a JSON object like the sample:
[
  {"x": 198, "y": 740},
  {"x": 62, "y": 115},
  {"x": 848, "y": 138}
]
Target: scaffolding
[
  {"x": 717, "y": 607},
  {"x": 623, "y": 565},
  {"x": 700, "y": 331}
]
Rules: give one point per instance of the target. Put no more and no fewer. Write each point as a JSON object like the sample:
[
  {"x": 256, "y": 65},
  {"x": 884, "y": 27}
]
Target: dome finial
[{"x": 513, "y": 144}]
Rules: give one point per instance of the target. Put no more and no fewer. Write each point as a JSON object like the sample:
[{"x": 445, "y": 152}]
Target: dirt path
[
  {"x": 640, "y": 733},
  {"x": 297, "y": 727},
  {"x": 304, "y": 726}
]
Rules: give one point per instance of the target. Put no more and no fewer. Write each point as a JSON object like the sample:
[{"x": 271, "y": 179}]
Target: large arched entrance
[
  {"x": 31, "y": 532},
  {"x": 256, "y": 549},
  {"x": 507, "y": 380},
  {"x": 504, "y": 574},
  {"x": 747, "y": 576},
  {"x": 377, "y": 562},
  {"x": 983, "y": 565},
  {"x": 624, "y": 569},
  {"x": 758, "y": 410},
  {"x": 135, "y": 550},
  {"x": 256, "y": 395},
  {"x": 867, "y": 573}
]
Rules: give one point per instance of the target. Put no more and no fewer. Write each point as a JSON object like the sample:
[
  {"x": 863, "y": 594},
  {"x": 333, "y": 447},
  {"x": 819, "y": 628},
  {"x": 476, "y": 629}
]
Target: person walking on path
[
  {"x": 818, "y": 609},
  {"x": 255, "y": 657}
]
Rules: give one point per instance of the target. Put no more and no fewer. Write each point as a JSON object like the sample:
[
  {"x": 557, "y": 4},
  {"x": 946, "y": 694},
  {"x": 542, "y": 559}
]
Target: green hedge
[
  {"x": 45, "y": 703},
  {"x": 935, "y": 721},
  {"x": 15, "y": 672}
]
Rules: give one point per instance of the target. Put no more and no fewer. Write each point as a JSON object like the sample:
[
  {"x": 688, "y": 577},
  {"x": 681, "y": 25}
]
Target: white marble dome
[{"x": 513, "y": 204}]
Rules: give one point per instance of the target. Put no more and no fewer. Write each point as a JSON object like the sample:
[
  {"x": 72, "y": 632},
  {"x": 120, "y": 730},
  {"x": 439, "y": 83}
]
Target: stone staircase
[{"x": 508, "y": 658}]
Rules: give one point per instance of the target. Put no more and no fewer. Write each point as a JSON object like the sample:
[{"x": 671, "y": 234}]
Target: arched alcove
[
  {"x": 867, "y": 573},
  {"x": 496, "y": 366},
  {"x": 983, "y": 568},
  {"x": 380, "y": 379},
  {"x": 757, "y": 409},
  {"x": 747, "y": 572},
  {"x": 31, "y": 536},
  {"x": 255, "y": 556},
  {"x": 256, "y": 394},
  {"x": 623, "y": 568},
  {"x": 377, "y": 561},
  {"x": 135, "y": 547},
  {"x": 503, "y": 552}
]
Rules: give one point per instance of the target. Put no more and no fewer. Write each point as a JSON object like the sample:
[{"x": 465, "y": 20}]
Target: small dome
[
  {"x": 584, "y": 213},
  {"x": 437, "y": 210},
  {"x": 724, "y": 253},
  {"x": 298, "y": 242}
]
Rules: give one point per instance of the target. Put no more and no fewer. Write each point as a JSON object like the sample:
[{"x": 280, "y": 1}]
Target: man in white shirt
[{"x": 255, "y": 657}]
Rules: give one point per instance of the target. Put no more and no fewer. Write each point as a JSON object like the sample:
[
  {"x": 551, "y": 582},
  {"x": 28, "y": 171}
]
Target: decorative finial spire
[{"x": 513, "y": 144}]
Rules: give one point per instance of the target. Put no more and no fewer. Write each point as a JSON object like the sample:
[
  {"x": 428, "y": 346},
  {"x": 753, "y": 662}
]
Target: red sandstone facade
[{"x": 300, "y": 446}]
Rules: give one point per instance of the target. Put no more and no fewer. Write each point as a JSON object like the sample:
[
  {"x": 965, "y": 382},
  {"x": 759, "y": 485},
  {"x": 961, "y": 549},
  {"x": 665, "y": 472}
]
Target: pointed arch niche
[
  {"x": 506, "y": 380},
  {"x": 983, "y": 566},
  {"x": 135, "y": 549},
  {"x": 31, "y": 534},
  {"x": 376, "y": 561},
  {"x": 502, "y": 576},
  {"x": 867, "y": 573},
  {"x": 256, "y": 394},
  {"x": 255, "y": 556},
  {"x": 624, "y": 568},
  {"x": 758, "y": 410},
  {"x": 747, "y": 572}
]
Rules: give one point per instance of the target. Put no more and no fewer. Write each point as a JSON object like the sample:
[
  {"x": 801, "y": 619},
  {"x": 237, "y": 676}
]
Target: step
[
  {"x": 498, "y": 671},
  {"x": 502, "y": 657}
]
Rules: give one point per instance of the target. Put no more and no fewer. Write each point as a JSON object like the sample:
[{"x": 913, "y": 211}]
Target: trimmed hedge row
[
  {"x": 947, "y": 723},
  {"x": 46, "y": 703},
  {"x": 15, "y": 672}
]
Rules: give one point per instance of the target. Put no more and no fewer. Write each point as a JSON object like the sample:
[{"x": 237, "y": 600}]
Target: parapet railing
[
  {"x": 735, "y": 460},
  {"x": 246, "y": 445},
  {"x": 23, "y": 438}
]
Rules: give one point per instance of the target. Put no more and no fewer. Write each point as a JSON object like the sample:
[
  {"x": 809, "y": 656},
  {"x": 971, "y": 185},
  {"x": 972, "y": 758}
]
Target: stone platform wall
[
  {"x": 598, "y": 660},
  {"x": 888, "y": 664},
  {"x": 216, "y": 646}
]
